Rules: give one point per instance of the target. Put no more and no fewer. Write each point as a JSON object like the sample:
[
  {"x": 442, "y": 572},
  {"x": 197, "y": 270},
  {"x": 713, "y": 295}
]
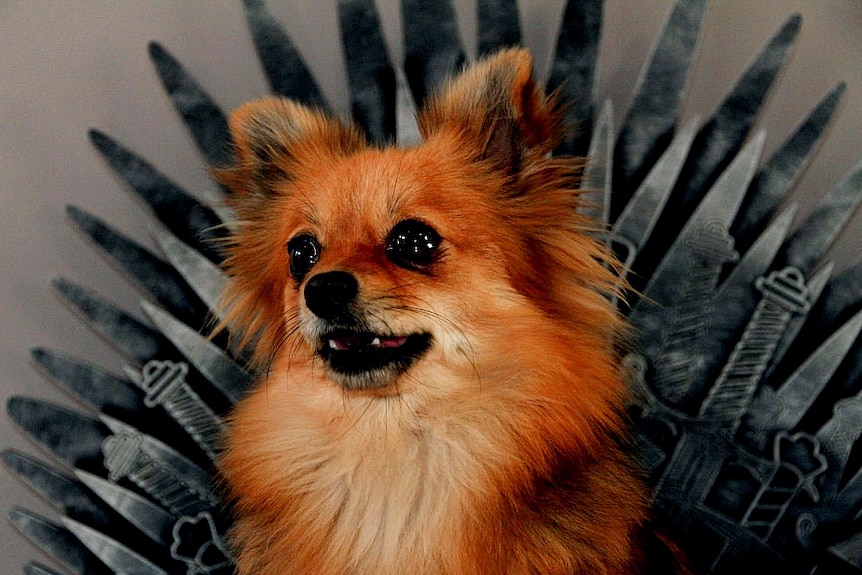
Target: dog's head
[{"x": 384, "y": 263}]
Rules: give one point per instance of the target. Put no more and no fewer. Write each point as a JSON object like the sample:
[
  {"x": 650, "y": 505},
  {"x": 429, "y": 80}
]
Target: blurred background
[{"x": 66, "y": 67}]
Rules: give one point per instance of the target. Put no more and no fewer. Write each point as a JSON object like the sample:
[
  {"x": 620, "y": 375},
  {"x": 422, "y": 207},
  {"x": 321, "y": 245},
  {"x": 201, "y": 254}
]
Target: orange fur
[{"x": 496, "y": 451}]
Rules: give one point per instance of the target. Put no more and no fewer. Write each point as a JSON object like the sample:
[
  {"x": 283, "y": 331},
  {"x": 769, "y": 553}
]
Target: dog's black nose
[{"x": 330, "y": 295}]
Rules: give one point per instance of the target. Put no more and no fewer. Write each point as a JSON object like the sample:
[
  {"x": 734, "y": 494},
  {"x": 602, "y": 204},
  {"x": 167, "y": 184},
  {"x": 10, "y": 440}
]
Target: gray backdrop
[{"x": 68, "y": 66}]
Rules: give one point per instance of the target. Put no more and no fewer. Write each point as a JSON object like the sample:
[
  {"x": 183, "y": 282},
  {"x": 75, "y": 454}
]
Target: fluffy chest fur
[
  {"x": 484, "y": 480},
  {"x": 345, "y": 488},
  {"x": 361, "y": 486}
]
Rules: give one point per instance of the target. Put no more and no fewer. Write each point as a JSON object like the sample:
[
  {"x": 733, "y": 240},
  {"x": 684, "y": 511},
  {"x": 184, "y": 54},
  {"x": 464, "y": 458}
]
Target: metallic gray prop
[
  {"x": 370, "y": 75},
  {"x": 649, "y": 124},
  {"x": 725, "y": 132},
  {"x": 782, "y": 170},
  {"x": 748, "y": 372},
  {"x": 573, "y": 70},
  {"x": 149, "y": 271},
  {"x": 36, "y": 569},
  {"x": 286, "y": 72},
  {"x": 206, "y": 122}
]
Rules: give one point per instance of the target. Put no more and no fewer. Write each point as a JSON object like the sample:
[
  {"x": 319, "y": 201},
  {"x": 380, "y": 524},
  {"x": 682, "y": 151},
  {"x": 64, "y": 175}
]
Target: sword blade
[
  {"x": 370, "y": 75},
  {"x": 649, "y": 124},
  {"x": 431, "y": 53},
  {"x": 497, "y": 25},
  {"x": 192, "y": 221},
  {"x": 205, "y": 121},
  {"x": 573, "y": 71},
  {"x": 58, "y": 542},
  {"x": 115, "y": 555},
  {"x": 151, "y": 519},
  {"x": 71, "y": 437},
  {"x": 146, "y": 269},
  {"x": 282, "y": 64}
]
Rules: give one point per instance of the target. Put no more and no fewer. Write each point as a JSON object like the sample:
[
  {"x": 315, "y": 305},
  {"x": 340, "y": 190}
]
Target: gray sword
[
  {"x": 56, "y": 487},
  {"x": 724, "y": 133},
  {"x": 208, "y": 358},
  {"x": 497, "y": 25},
  {"x": 283, "y": 65},
  {"x": 71, "y": 437},
  {"x": 596, "y": 184},
  {"x": 431, "y": 53},
  {"x": 693, "y": 263},
  {"x": 205, "y": 278},
  {"x": 815, "y": 286},
  {"x": 636, "y": 222},
  {"x": 737, "y": 297},
  {"x": 406, "y": 126},
  {"x": 370, "y": 75},
  {"x": 57, "y": 541},
  {"x": 146, "y": 269},
  {"x": 187, "y": 217},
  {"x": 205, "y": 121},
  {"x": 94, "y": 386},
  {"x": 115, "y": 555},
  {"x": 151, "y": 519},
  {"x": 128, "y": 335},
  {"x": 784, "y": 293},
  {"x": 820, "y": 229},
  {"x": 171, "y": 478},
  {"x": 784, "y": 408},
  {"x": 782, "y": 170},
  {"x": 649, "y": 124},
  {"x": 573, "y": 71}
]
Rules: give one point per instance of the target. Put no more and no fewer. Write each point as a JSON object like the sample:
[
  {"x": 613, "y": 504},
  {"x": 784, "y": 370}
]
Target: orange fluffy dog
[{"x": 442, "y": 394}]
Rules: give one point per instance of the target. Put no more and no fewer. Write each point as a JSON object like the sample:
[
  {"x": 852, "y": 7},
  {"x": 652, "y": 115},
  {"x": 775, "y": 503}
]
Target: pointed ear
[
  {"x": 272, "y": 136},
  {"x": 498, "y": 107}
]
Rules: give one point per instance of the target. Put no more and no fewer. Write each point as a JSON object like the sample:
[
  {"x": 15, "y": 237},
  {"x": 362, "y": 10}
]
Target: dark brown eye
[
  {"x": 304, "y": 251},
  {"x": 412, "y": 244}
]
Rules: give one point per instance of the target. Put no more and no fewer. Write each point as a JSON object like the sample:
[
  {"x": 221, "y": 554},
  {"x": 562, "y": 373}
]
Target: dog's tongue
[{"x": 347, "y": 342}]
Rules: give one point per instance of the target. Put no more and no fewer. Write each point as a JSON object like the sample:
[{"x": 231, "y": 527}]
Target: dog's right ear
[{"x": 271, "y": 138}]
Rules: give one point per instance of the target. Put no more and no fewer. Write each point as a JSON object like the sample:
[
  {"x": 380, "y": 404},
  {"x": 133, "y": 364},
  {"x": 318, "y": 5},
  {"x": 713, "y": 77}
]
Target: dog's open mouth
[{"x": 366, "y": 359}]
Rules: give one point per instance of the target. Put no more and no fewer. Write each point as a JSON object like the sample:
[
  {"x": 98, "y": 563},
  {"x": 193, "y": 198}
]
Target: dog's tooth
[
  {"x": 375, "y": 342},
  {"x": 333, "y": 344}
]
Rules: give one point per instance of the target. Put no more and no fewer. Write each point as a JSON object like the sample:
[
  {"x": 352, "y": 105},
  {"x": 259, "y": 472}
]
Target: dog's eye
[
  {"x": 412, "y": 244},
  {"x": 304, "y": 250}
]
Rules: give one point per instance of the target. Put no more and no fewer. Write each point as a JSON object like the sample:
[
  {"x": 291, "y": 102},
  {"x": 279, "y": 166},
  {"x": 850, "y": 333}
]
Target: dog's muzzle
[{"x": 360, "y": 355}]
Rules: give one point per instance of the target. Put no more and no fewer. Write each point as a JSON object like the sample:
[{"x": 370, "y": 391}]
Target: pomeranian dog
[{"x": 442, "y": 392}]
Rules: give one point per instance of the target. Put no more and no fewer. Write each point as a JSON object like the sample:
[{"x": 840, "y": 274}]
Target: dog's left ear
[{"x": 497, "y": 107}]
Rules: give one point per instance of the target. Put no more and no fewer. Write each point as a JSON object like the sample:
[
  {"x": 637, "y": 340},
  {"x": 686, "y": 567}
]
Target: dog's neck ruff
[{"x": 381, "y": 481}]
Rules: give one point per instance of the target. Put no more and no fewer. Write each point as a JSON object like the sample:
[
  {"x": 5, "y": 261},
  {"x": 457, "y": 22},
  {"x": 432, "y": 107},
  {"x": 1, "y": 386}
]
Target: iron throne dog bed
[{"x": 748, "y": 370}]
